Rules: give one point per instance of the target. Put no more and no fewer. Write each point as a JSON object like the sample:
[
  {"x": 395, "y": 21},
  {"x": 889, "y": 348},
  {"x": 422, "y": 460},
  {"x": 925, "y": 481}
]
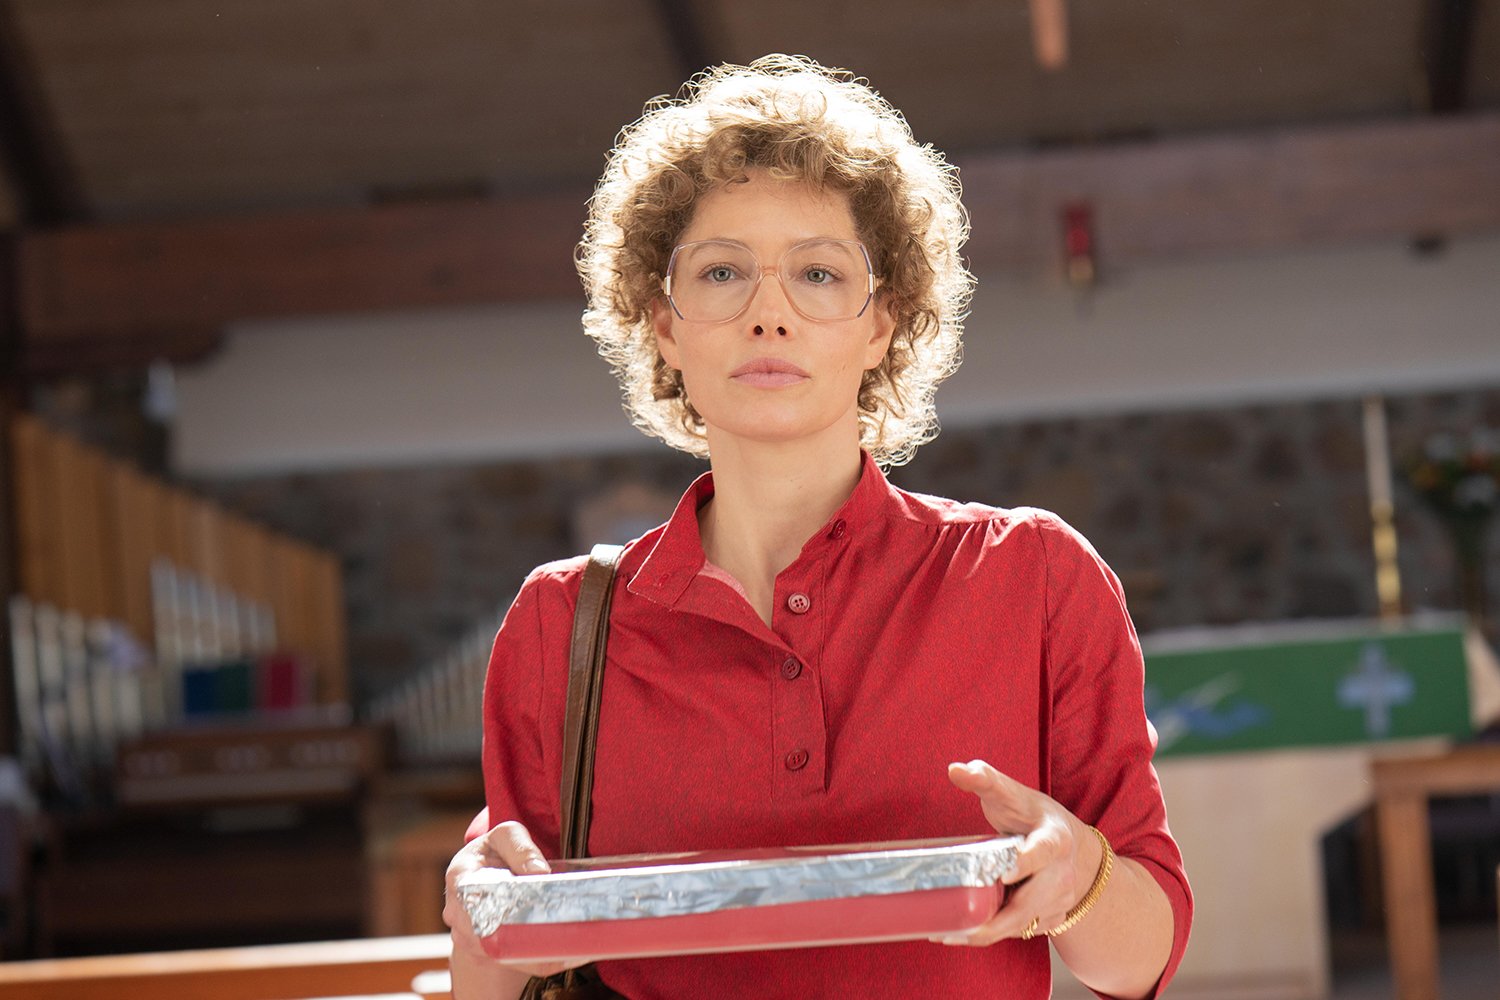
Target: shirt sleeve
[
  {"x": 519, "y": 784},
  {"x": 1099, "y": 742}
]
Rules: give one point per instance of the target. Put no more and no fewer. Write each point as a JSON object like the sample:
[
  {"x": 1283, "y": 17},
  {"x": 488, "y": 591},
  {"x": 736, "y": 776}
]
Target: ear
[
  {"x": 661, "y": 324},
  {"x": 880, "y": 337}
]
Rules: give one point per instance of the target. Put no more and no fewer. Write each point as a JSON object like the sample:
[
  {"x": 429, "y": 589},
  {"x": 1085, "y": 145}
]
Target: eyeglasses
[{"x": 711, "y": 281}]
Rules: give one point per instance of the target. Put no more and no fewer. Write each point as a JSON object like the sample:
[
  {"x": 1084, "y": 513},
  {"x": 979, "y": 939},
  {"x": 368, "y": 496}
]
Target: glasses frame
[{"x": 761, "y": 272}]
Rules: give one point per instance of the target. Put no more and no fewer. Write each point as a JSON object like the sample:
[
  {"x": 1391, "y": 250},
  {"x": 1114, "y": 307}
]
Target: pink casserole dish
[{"x": 676, "y": 904}]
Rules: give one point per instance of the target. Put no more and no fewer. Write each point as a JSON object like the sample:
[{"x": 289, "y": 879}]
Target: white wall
[{"x": 523, "y": 381}]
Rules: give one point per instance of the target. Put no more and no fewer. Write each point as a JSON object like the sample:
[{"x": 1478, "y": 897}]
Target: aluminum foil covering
[{"x": 639, "y": 886}]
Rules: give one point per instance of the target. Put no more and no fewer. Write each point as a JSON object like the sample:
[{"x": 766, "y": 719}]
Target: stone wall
[{"x": 1210, "y": 517}]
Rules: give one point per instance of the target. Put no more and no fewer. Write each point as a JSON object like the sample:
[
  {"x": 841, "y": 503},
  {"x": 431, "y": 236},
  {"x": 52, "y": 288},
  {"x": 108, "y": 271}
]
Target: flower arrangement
[{"x": 1458, "y": 478}]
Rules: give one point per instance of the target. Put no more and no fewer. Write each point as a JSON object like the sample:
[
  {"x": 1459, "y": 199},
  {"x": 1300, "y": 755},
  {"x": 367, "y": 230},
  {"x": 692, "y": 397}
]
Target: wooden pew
[
  {"x": 374, "y": 966},
  {"x": 406, "y": 875}
]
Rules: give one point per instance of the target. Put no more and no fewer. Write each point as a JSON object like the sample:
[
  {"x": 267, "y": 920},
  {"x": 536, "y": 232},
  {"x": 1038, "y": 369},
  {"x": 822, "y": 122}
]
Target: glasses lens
[
  {"x": 713, "y": 280},
  {"x": 826, "y": 279}
]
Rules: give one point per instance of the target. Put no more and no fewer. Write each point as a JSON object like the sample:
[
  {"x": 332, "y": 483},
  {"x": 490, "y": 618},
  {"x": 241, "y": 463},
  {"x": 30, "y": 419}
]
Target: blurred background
[{"x": 295, "y": 395}]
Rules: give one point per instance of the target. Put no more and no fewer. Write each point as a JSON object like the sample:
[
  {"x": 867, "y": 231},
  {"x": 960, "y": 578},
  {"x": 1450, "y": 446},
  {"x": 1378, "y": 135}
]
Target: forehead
[{"x": 761, "y": 210}]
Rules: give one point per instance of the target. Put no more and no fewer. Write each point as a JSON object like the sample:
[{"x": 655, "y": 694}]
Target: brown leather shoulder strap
[{"x": 585, "y": 683}]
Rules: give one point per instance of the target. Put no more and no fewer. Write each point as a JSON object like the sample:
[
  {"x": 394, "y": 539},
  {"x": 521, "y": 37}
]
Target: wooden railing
[{"x": 404, "y": 967}]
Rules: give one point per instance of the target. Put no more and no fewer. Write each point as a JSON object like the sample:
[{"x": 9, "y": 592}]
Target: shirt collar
[{"x": 677, "y": 557}]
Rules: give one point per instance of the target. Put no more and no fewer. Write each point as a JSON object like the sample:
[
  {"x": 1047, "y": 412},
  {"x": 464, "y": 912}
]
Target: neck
[{"x": 768, "y": 501}]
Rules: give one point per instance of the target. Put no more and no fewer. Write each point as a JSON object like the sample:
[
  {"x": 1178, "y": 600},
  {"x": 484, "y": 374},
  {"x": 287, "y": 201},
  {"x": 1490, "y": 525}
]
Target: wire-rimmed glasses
[{"x": 712, "y": 281}]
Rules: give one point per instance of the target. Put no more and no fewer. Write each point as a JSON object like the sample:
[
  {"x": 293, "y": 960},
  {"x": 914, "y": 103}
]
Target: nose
[{"x": 770, "y": 310}]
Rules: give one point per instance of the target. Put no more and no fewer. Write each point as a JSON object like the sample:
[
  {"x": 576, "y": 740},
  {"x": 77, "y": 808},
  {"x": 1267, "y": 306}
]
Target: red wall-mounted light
[{"x": 1080, "y": 260}]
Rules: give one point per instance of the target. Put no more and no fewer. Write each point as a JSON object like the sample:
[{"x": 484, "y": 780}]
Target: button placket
[
  {"x": 800, "y": 737},
  {"x": 799, "y": 729}
]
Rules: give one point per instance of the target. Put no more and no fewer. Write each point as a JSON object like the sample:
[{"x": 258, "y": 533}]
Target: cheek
[{"x": 690, "y": 371}]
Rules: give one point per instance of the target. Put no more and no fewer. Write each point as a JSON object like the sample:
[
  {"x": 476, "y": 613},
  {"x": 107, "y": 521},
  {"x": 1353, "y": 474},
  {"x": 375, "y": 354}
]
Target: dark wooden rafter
[
  {"x": 683, "y": 21},
  {"x": 1447, "y": 48},
  {"x": 91, "y": 295},
  {"x": 32, "y": 154}
]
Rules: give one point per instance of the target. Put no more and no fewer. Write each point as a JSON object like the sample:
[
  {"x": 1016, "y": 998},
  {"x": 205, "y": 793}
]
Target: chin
[{"x": 769, "y": 432}]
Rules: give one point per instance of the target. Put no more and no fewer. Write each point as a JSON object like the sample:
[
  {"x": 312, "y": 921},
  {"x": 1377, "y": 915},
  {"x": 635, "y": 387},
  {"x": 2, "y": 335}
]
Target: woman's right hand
[{"x": 507, "y": 846}]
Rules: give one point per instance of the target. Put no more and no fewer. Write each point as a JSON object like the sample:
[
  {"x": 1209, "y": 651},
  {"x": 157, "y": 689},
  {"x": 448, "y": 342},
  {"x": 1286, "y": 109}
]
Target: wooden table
[
  {"x": 383, "y": 966},
  {"x": 1402, "y": 788}
]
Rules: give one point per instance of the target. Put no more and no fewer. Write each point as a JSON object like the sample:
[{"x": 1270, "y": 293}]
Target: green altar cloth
[{"x": 1287, "y": 686}]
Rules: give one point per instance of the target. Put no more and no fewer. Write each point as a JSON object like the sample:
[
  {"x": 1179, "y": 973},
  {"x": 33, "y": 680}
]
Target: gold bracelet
[{"x": 1101, "y": 879}]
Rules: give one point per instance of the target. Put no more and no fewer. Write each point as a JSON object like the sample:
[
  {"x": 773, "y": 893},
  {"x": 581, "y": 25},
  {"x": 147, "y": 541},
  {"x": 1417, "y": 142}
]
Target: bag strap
[{"x": 585, "y": 683}]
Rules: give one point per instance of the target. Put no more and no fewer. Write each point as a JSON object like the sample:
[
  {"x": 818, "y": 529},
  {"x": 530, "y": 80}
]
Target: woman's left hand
[{"x": 1054, "y": 868}]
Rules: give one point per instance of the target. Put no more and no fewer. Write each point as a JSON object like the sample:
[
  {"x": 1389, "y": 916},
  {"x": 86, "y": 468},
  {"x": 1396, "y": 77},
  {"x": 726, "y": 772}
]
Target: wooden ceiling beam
[
  {"x": 95, "y": 295},
  {"x": 687, "y": 31},
  {"x": 98, "y": 296},
  {"x": 32, "y": 153},
  {"x": 1256, "y": 192},
  {"x": 1447, "y": 44}
]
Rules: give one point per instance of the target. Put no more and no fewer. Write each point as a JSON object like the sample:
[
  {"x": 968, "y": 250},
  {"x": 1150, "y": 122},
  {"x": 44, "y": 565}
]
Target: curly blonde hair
[{"x": 799, "y": 121}]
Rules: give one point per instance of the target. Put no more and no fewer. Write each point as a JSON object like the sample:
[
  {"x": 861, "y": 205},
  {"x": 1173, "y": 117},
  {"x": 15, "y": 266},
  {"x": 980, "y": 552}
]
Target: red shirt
[{"x": 910, "y": 632}]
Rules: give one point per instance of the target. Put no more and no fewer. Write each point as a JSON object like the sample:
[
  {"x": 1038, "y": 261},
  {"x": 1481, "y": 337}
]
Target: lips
[{"x": 768, "y": 373}]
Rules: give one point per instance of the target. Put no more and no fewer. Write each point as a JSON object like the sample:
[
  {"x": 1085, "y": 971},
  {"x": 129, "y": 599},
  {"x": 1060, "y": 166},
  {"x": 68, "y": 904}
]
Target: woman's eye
[
  {"x": 721, "y": 273},
  {"x": 819, "y": 276}
]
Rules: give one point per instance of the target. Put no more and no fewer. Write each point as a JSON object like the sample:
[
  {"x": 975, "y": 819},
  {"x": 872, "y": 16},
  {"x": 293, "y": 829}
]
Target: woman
[{"x": 800, "y": 653}]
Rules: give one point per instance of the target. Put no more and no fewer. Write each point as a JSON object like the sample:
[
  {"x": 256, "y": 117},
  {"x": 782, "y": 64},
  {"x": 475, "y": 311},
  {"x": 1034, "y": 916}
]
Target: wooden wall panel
[
  {"x": 326, "y": 600},
  {"x": 206, "y": 530},
  {"x": 286, "y": 568},
  {"x": 257, "y": 582},
  {"x": 170, "y": 536},
  {"x": 107, "y": 570},
  {"x": 90, "y": 528},
  {"x": 134, "y": 526},
  {"x": 38, "y": 530},
  {"x": 309, "y": 604},
  {"x": 235, "y": 545},
  {"x": 86, "y": 555}
]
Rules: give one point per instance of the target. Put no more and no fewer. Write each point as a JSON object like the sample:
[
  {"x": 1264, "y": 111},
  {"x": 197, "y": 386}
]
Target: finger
[
  {"x": 1009, "y": 806},
  {"x": 982, "y": 779},
  {"x": 1037, "y": 900},
  {"x": 508, "y": 845},
  {"x": 511, "y": 844}
]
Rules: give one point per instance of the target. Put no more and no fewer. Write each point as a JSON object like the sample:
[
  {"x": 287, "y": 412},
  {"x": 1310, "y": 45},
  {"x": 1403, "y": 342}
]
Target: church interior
[{"x": 295, "y": 394}]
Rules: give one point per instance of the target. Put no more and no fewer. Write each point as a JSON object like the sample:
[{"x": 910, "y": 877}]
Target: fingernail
[
  {"x": 951, "y": 939},
  {"x": 534, "y": 866}
]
